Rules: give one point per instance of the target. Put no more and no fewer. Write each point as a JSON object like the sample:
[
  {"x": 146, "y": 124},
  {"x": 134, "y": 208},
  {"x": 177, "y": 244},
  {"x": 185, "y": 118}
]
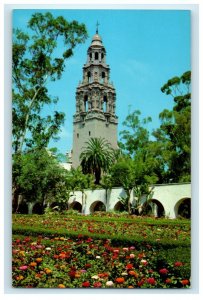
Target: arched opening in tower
[
  {"x": 105, "y": 100},
  {"x": 89, "y": 77},
  {"x": 96, "y": 56},
  {"x": 103, "y": 75},
  {"x": 85, "y": 103}
]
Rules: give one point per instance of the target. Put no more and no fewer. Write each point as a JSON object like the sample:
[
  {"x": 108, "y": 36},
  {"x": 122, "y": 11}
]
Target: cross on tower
[{"x": 97, "y": 25}]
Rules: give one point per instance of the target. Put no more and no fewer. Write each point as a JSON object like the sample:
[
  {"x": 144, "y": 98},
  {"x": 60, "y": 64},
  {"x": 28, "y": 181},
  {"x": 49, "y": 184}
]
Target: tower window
[
  {"x": 96, "y": 56},
  {"x": 89, "y": 133},
  {"x": 103, "y": 75},
  {"x": 102, "y": 55},
  {"x": 85, "y": 103},
  {"x": 89, "y": 77},
  {"x": 77, "y": 135},
  {"x": 105, "y": 104},
  {"x": 90, "y": 56}
]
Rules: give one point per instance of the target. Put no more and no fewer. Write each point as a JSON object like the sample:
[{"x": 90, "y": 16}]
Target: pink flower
[
  {"x": 132, "y": 255},
  {"x": 23, "y": 268}
]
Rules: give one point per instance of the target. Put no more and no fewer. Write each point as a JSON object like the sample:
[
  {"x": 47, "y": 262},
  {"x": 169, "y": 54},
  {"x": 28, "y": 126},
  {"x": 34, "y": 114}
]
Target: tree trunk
[
  {"x": 14, "y": 199},
  {"x": 30, "y": 207},
  {"x": 129, "y": 205}
]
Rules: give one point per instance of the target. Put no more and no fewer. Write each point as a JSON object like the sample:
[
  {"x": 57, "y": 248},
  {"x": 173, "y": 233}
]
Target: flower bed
[
  {"x": 60, "y": 251},
  {"x": 42, "y": 262}
]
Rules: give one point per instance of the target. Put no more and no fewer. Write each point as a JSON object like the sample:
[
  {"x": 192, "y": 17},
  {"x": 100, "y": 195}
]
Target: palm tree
[{"x": 96, "y": 157}]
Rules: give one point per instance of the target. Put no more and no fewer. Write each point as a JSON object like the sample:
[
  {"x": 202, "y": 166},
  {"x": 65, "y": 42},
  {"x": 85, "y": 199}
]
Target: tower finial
[{"x": 97, "y": 27}]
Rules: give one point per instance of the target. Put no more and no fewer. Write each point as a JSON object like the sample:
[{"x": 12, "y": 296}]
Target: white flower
[
  {"x": 109, "y": 283},
  {"x": 98, "y": 257},
  {"x": 124, "y": 274},
  {"x": 95, "y": 277},
  {"x": 48, "y": 248}
]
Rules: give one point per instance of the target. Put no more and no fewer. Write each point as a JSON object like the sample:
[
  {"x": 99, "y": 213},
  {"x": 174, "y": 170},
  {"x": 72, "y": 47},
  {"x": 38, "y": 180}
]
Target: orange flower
[
  {"x": 101, "y": 275},
  {"x": 38, "y": 260},
  {"x": 120, "y": 280},
  {"x": 61, "y": 286},
  {"x": 133, "y": 273},
  {"x": 130, "y": 287},
  {"x": 33, "y": 264},
  {"x": 77, "y": 275},
  {"x": 62, "y": 255},
  {"x": 185, "y": 282}
]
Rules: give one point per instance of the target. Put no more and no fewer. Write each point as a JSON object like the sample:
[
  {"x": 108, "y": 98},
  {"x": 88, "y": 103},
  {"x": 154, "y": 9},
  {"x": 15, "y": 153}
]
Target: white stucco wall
[{"x": 169, "y": 195}]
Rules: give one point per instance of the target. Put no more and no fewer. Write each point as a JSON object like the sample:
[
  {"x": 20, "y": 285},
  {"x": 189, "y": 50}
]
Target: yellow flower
[
  {"x": 61, "y": 286},
  {"x": 20, "y": 277},
  {"x": 38, "y": 260},
  {"x": 22, "y": 253},
  {"x": 48, "y": 271}
]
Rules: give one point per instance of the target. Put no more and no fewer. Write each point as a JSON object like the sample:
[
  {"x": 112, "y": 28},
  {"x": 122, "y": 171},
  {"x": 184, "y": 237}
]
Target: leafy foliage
[
  {"x": 174, "y": 134},
  {"x": 36, "y": 63}
]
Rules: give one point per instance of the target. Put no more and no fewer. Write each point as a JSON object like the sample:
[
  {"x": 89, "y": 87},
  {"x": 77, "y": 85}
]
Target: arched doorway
[
  {"x": 155, "y": 208},
  {"x": 183, "y": 208},
  {"x": 38, "y": 208},
  {"x": 75, "y": 205},
  {"x": 97, "y": 206},
  {"x": 119, "y": 207}
]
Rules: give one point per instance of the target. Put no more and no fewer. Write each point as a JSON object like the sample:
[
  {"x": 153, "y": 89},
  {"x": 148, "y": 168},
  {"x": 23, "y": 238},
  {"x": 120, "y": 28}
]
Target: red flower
[
  {"x": 88, "y": 266},
  {"x": 141, "y": 282},
  {"x": 72, "y": 274},
  {"x": 185, "y": 282},
  {"x": 178, "y": 264},
  {"x": 129, "y": 266},
  {"x": 151, "y": 281},
  {"x": 97, "y": 284},
  {"x": 163, "y": 271},
  {"x": 86, "y": 284}
]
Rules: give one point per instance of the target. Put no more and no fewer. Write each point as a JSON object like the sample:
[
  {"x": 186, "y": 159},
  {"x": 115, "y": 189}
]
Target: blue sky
[{"x": 144, "y": 48}]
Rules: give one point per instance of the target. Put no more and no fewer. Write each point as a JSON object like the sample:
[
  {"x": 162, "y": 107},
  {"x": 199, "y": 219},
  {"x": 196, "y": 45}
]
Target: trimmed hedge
[{"x": 115, "y": 239}]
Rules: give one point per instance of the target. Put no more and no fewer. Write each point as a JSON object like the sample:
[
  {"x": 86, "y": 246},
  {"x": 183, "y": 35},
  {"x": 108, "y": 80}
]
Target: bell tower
[{"x": 95, "y": 102}]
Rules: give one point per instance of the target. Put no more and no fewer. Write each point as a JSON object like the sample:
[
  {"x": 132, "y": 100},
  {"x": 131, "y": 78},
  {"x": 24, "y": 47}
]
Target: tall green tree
[
  {"x": 38, "y": 178},
  {"x": 37, "y": 61},
  {"x": 174, "y": 133},
  {"x": 136, "y": 142},
  {"x": 96, "y": 157}
]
